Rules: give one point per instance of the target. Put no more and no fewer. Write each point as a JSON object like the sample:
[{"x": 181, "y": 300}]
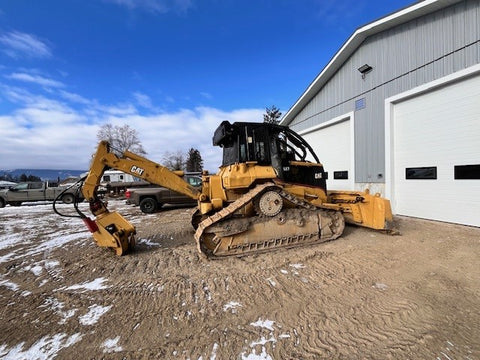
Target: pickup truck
[
  {"x": 151, "y": 199},
  {"x": 36, "y": 191}
]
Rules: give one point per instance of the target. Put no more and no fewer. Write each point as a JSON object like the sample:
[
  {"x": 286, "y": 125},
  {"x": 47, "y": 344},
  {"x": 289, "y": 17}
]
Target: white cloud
[
  {"x": 35, "y": 79},
  {"x": 49, "y": 133},
  {"x": 75, "y": 98},
  {"x": 17, "y": 44},
  {"x": 143, "y": 100},
  {"x": 155, "y": 6},
  {"x": 206, "y": 95}
]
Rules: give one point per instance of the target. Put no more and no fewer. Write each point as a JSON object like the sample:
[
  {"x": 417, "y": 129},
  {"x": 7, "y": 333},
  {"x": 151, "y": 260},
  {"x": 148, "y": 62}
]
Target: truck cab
[
  {"x": 35, "y": 191},
  {"x": 151, "y": 199}
]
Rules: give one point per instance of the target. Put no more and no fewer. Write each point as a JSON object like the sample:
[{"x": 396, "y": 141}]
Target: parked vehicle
[
  {"x": 115, "y": 183},
  {"x": 150, "y": 199},
  {"x": 7, "y": 184},
  {"x": 37, "y": 191}
]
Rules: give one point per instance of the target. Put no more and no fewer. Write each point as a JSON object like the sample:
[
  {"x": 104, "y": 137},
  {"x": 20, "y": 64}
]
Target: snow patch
[
  {"x": 148, "y": 242},
  {"x": 45, "y": 348},
  {"x": 214, "y": 352},
  {"x": 96, "y": 284},
  {"x": 58, "y": 306},
  {"x": 36, "y": 270},
  {"x": 232, "y": 305},
  {"x": 94, "y": 314},
  {"x": 9, "y": 285},
  {"x": 254, "y": 356},
  {"x": 271, "y": 282},
  {"x": 380, "y": 286},
  {"x": 111, "y": 345},
  {"x": 262, "y": 341},
  {"x": 297, "y": 266},
  {"x": 266, "y": 324},
  {"x": 29, "y": 232}
]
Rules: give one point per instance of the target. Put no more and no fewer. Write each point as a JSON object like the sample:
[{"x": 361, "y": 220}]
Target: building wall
[{"x": 403, "y": 57}]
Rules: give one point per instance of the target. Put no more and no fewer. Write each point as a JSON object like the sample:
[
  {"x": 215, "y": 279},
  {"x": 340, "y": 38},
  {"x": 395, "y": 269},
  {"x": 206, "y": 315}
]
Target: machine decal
[{"x": 137, "y": 170}]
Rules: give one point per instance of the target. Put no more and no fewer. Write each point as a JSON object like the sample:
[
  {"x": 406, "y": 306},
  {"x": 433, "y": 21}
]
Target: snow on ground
[
  {"x": 232, "y": 306},
  {"x": 147, "y": 242},
  {"x": 39, "y": 230},
  {"x": 111, "y": 345},
  {"x": 94, "y": 314},
  {"x": 9, "y": 285},
  {"x": 297, "y": 266},
  {"x": 266, "y": 324},
  {"x": 37, "y": 224},
  {"x": 93, "y": 285},
  {"x": 45, "y": 348},
  {"x": 254, "y": 356},
  {"x": 53, "y": 304},
  {"x": 35, "y": 229}
]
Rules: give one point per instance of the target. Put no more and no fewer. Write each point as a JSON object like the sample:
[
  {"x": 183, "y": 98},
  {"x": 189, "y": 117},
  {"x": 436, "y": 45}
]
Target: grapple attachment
[{"x": 110, "y": 229}]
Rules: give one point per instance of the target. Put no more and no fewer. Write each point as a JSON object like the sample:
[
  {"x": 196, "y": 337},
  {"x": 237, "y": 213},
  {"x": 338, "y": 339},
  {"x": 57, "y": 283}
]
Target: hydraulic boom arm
[
  {"x": 110, "y": 229},
  {"x": 135, "y": 165}
]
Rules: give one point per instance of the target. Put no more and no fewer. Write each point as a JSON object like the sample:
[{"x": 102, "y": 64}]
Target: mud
[{"x": 366, "y": 295}]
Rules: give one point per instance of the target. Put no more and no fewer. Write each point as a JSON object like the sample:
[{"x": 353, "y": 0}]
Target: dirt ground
[{"x": 364, "y": 296}]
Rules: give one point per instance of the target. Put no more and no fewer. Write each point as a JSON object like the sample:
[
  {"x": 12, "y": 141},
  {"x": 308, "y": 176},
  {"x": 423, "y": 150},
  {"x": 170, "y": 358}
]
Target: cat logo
[
  {"x": 137, "y": 170},
  {"x": 318, "y": 176}
]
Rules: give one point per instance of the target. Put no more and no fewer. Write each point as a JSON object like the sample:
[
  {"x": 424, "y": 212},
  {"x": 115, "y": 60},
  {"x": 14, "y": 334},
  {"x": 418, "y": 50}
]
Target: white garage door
[
  {"x": 333, "y": 146},
  {"x": 436, "y": 149}
]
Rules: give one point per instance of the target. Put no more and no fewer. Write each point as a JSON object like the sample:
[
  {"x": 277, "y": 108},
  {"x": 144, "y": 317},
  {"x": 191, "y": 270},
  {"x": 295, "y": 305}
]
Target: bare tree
[
  {"x": 174, "y": 160},
  {"x": 121, "y": 138},
  {"x": 272, "y": 115},
  {"x": 194, "y": 161}
]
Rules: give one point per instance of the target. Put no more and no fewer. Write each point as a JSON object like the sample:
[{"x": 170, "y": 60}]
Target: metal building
[{"x": 397, "y": 110}]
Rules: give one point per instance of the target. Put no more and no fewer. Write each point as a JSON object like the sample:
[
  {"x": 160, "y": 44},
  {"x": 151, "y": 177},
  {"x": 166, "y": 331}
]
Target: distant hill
[{"x": 44, "y": 174}]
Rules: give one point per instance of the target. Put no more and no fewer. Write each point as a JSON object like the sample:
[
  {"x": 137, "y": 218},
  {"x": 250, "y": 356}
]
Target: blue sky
[{"x": 171, "y": 69}]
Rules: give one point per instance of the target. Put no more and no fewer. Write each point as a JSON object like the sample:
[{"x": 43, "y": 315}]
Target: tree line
[{"x": 19, "y": 178}]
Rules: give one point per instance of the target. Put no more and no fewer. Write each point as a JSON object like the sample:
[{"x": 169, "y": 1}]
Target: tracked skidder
[{"x": 269, "y": 192}]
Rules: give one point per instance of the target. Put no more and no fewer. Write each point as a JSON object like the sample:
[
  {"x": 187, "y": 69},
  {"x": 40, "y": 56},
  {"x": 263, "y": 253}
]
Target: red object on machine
[{"x": 91, "y": 224}]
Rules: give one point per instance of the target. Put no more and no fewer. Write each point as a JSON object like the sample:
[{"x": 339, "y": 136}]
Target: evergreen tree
[
  {"x": 194, "y": 161},
  {"x": 272, "y": 115}
]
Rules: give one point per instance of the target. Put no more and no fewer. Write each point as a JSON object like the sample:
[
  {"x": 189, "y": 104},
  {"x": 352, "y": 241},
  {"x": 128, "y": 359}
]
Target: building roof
[{"x": 401, "y": 16}]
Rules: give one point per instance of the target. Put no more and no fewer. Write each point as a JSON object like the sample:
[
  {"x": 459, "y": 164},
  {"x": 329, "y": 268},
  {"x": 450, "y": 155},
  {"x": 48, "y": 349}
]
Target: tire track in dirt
[{"x": 357, "y": 297}]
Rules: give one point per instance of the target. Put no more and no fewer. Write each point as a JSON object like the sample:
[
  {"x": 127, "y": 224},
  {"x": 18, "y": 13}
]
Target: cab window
[
  {"x": 21, "y": 187},
  {"x": 195, "y": 181}
]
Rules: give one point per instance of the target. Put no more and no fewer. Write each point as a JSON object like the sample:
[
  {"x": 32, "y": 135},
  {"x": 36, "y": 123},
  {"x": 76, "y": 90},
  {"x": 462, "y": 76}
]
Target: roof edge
[{"x": 401, "y": 16}]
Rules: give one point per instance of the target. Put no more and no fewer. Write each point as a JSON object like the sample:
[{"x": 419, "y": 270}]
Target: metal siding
[{"x": 402, "y": 58}]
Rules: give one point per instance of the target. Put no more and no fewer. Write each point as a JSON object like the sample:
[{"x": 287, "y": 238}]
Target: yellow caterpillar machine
[{"x": 269, "y": 192}]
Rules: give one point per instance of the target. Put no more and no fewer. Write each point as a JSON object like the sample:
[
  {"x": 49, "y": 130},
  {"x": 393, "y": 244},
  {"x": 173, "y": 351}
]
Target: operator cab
[{"x": 270, "y": 145}]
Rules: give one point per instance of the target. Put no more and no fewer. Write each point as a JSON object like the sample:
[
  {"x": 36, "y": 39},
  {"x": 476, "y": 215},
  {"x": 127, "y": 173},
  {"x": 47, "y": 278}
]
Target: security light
[{"x": 365, "y": 69}]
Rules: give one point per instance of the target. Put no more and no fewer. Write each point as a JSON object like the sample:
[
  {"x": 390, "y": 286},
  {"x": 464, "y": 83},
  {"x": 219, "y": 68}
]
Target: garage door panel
[
  {"x": 441, "y": 129},
  {"x": 332, "y": 145}
]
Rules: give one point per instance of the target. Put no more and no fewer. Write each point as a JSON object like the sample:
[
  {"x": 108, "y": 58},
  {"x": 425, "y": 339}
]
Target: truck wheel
[
  {"x": 15, "y": 203},
  {"x": 2, "y": 203},
  {"x": 68, "y": 198},
  {"x": 148, "y": 205}
]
